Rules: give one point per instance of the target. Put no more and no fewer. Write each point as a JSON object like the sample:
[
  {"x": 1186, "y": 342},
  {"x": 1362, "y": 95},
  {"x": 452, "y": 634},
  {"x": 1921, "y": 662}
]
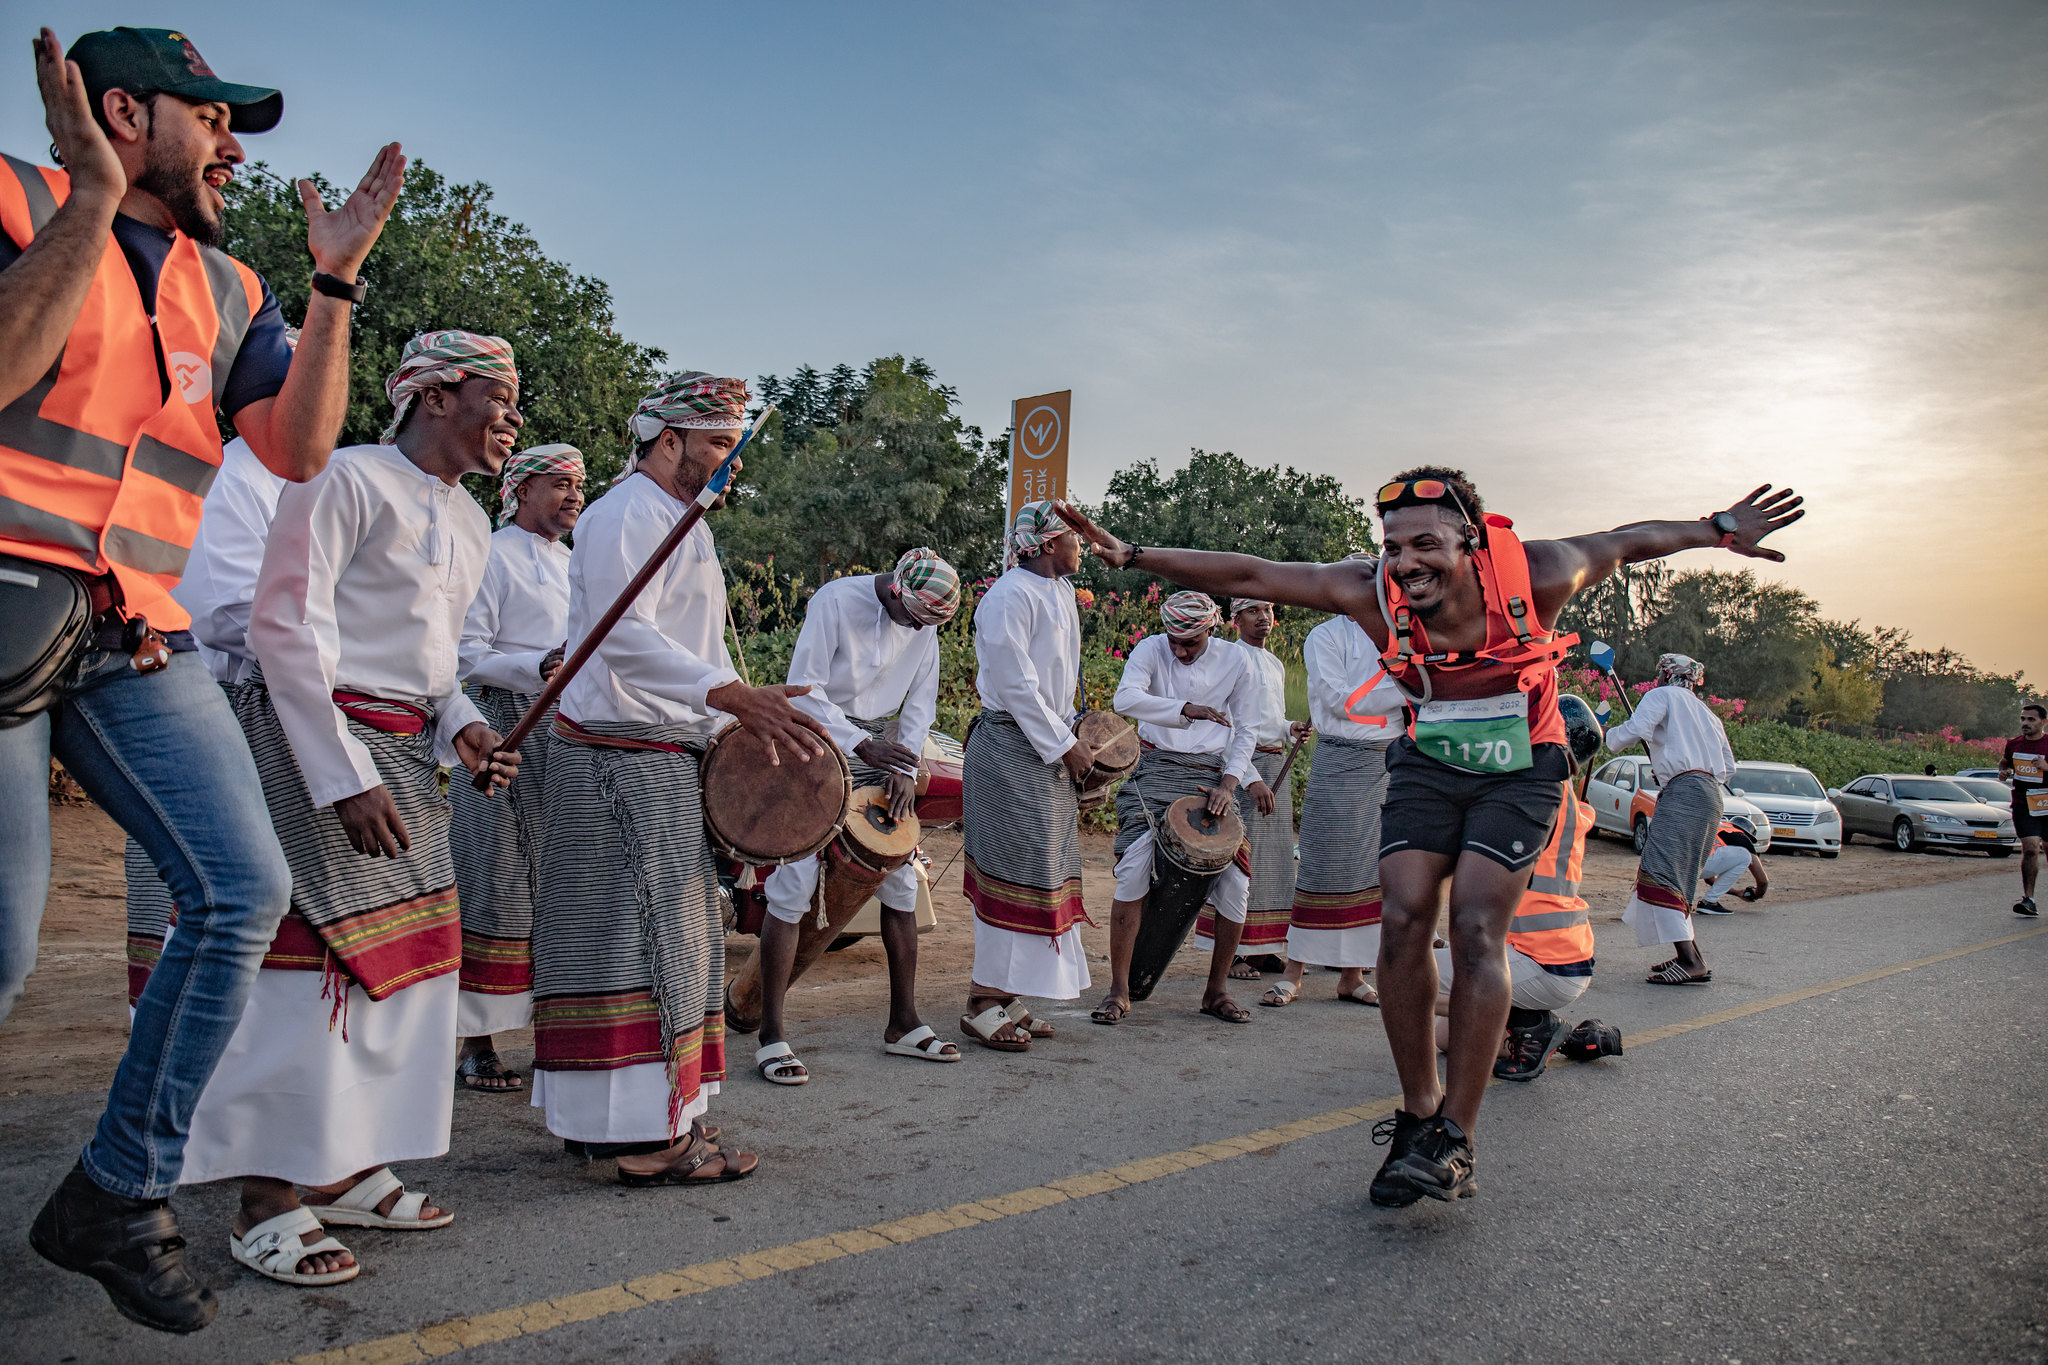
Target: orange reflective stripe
[{"x": 1552, "y": 924}]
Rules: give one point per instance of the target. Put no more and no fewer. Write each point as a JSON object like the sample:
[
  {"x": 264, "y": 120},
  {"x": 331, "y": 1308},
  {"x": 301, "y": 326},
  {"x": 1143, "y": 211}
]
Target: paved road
[{"x": 1858, "y": 1174}]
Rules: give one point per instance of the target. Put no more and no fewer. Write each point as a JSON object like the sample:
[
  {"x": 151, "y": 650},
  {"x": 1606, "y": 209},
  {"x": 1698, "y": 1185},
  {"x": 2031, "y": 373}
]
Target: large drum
[
  {"x": 768, "y": 814},
  {"x": 1113, "y": 744},
  {"x": 1190, "y": 847},
  {"x": 866, "y": 851}
]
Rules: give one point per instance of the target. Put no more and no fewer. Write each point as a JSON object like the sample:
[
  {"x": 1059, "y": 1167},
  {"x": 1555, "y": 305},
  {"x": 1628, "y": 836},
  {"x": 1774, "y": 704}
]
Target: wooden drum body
[
  {"x": 1113, "y": 744},
  {"x": 853, "y": 866},
  {"x": 1190, "y": 847}
]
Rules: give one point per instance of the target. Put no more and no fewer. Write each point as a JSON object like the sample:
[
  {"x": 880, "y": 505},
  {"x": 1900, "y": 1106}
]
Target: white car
[
  {"x": 1623, "y": 795},
  {"x": 1795, "y": 803}
]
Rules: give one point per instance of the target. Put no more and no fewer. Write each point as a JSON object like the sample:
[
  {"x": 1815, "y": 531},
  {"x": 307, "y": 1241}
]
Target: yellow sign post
[{"x": 1038, "y": 450}]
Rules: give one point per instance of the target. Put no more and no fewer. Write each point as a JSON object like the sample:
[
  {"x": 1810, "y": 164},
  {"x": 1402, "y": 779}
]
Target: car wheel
[
  {"x": 1848, "y": 837},
  {"x": 1902, "y": 835},
  {"x": 1639, "y": 834},
  {"x": 1999, "y": 852}
]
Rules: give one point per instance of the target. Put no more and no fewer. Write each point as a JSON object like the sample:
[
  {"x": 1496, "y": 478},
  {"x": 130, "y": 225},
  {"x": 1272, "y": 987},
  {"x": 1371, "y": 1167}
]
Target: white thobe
[
  {"x": 1681, "y": 733},
  {"x": 1271, "y": 676},
  {"x": 858, "y": 662},
  {"x": 370, "y": 568},
  {"x": 655, "y": 667},
  {"x": 1154, "y": 688},
  {"x": 1341, "y": 658},
  {"x": 521, "y": 611},
  {"x": 1027, "y": 650},
  {"x": 220, "y": 573},
  {"x": 668, "y": 650}
]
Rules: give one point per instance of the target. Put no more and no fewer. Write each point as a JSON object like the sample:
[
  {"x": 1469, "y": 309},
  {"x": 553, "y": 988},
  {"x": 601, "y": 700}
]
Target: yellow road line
[{"x": 530, "y": 1319}]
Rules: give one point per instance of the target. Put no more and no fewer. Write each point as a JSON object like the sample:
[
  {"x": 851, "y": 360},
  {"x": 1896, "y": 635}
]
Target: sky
[{"x": 1618, "y": 261}]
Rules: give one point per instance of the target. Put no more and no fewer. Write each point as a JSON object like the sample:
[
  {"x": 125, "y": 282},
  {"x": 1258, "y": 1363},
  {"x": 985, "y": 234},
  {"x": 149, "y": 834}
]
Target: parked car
[
  {"x": 1989, "y": 790},
  {"x": 1991, "y": 773},
  {"x": 1795, "y": 803},
  {"x": 1909, "y": 812},
  {"x": 1623, "y": 795}
]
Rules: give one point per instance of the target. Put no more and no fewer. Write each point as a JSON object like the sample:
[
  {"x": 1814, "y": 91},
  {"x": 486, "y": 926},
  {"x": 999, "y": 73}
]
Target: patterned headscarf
[
  {"x": 552, "y": 459},
  {"x": 1238, "y": 604},
  {"x": 694, "y": 400},
  {"x": 432, "y": 359},
  {"x": 1680, "y": 668},
  {"x": 930, "y": 586},
  {"x": 1036, "y": 523},
  {"x": 1188, "y": 614}
]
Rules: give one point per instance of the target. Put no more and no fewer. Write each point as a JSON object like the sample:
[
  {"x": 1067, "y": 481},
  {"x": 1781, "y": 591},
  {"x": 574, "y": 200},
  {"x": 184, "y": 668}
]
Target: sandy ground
[{"x": 67, "y": 1033}]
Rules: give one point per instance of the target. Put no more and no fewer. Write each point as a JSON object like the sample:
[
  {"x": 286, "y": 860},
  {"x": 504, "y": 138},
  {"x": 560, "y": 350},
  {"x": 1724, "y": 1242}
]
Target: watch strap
[{"x": 334, "y": 287}]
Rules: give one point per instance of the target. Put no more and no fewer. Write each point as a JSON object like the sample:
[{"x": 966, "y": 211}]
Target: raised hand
[
  {"x": 67, "y": 113},
  {"x": 1757, "y": 515},
  {"x": 1107, "y": 547},
  {"x": 341, "y": 238}
]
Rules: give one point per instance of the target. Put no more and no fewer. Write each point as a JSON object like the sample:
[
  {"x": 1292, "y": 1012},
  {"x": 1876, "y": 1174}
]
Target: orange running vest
[
  {"x": 99, "y": 471},
  {"x": 1518, "y": 653},
  {"x": 1551, "y": 924}
]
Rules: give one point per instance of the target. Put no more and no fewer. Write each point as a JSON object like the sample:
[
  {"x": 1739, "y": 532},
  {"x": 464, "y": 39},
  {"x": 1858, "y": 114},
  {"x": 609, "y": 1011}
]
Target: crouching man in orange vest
[
  {"x": 123, "y": 331},
  {"x": 1550, "y": 939},
  {"x": 1465, "y": 618}
]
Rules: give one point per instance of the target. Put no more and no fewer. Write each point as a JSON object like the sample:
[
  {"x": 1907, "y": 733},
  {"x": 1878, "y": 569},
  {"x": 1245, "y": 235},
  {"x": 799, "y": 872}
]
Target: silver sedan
[{"x": 1910, "y": 812}]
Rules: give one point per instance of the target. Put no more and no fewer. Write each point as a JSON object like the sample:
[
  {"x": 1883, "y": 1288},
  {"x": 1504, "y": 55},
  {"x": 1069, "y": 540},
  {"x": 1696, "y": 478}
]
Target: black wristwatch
[
  {"x": 334, "y": 287},
  {"x": 1136, "y": 550},
  {"x": 1724, "y": 522}
]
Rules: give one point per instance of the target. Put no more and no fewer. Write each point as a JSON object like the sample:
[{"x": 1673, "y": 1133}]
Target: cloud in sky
[{"x": 1617, "y": 261}]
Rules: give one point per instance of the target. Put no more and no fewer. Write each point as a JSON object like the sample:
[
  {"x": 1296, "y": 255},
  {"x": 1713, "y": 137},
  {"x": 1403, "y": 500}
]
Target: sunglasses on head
[{"x": 1429, "y": 490}]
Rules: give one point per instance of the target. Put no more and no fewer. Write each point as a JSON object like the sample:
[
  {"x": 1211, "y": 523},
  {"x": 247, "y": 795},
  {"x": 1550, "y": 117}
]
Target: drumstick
[{"x": 572, "y": 665}]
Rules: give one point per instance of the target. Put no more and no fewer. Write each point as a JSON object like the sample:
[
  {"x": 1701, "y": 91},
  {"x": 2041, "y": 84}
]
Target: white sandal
[
  {"x": 777, "y": 1063},
  {"x": 358, "y": 1207},
  {"x": 1281, "y": 993},
  {"x": 275, "y": 1246},
  {"x": 922, "y": 1042},
  {"x": 984, "y": 1027}
]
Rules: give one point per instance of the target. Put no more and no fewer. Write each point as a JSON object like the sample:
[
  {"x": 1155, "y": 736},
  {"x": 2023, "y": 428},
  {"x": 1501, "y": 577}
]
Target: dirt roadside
[{"x": 67, "y": 1033}]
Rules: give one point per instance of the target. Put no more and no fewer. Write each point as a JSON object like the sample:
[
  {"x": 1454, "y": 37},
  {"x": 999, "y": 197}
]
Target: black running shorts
[
  {"x": 1440, "y": 809},
  {"x": 2028, "y": 826}
]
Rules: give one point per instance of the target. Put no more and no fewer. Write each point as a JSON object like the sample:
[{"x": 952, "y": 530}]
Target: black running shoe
[
  {"x": 1398, "y": 1135},
  {"x": 1590, "y": 1039},
  {"x": 1440, "y": 1164},
  {"x": 1529, "y": 1049},
  {"x": 2025, "y": 906}
]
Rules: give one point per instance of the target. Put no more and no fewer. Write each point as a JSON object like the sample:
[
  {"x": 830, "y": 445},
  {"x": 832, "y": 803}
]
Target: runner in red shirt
[{"x": 2025, "y": 765}]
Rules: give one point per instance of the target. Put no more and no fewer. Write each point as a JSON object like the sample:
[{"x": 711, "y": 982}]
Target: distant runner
[{"x": 2025, "y": 765}]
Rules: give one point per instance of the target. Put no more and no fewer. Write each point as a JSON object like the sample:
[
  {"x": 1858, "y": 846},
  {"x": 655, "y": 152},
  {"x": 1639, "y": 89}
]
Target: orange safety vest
[
  {"x": 1551, "y": 924},
  {"x": 1517, "y": 651},
  {"x": 99, "y": 471}
]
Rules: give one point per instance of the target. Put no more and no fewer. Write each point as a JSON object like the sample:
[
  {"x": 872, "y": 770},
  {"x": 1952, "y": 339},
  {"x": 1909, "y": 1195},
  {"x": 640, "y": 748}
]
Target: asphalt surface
[{"x": 1855, "y": 1176}]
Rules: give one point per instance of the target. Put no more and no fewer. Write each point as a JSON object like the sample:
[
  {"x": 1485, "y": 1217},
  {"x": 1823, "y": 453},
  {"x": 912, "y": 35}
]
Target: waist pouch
[{"x": 49, "y": 615}]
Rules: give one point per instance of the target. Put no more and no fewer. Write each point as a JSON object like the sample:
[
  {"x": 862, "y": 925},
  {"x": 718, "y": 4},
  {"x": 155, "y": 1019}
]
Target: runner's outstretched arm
[
  {"x": 1344, "y": 587},
  {"x": 1562, "y": 568}
]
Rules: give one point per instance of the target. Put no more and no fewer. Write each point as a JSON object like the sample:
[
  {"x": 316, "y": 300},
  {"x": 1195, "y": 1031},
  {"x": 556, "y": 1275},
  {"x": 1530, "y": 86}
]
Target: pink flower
[
  {"x": 1116, "y": 654},
  {"x": 1084, "y": 597}
]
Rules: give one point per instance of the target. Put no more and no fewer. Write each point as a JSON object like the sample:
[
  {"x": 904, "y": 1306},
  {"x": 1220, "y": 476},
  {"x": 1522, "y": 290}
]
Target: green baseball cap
[{"x": 148, "y": 60}]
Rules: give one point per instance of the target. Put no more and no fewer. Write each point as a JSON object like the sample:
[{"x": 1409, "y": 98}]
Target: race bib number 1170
[{"x": 1481, "y": 735}]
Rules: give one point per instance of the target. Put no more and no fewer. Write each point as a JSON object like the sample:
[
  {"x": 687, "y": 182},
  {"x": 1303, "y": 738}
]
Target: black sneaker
[
  {"x": 1529, "y": 1049},
  {"x": 1712, "y": 908},
  {"x": 1589, "y": 1040},
  {"x": 1440, "y": 1163},
  {"x": 131, "y": 1246},
  {"x": 1398, "y": 1135},
  {"x": 2025, "y": 906}
]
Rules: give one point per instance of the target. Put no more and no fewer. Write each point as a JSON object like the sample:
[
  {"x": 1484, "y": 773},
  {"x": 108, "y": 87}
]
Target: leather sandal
[{"x": 131, "y": 1246}]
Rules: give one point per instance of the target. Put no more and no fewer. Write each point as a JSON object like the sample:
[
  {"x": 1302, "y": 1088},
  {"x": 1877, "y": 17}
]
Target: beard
[{"x": 178, "y": 184}]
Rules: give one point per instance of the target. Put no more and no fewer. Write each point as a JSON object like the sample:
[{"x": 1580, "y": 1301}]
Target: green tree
[
  {"x": 447, "y": 260},
  {"x": 1755, "y": 638},
  {"x": 858, "y": 466},
  {"x": 1222, "y": 502},
  {"x": 1841, "y": 695}
]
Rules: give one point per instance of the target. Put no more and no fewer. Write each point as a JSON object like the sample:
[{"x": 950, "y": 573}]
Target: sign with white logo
[
  {"x": 192, "y": 375},
  {"x": 1038, "y": 449}
]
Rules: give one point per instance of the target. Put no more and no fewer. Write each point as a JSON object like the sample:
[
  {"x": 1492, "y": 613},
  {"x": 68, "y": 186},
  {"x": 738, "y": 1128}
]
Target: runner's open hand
[
  {"x": 370, "y": 819},
  {"x": 1107, "y": 547},
  {"x": 1194, "y": 711},
  {"x": 1262, "y": 796},
  {"x": 480, "y": 748},
  {"x": 767, "y": 712},
  {"x": 76, "y": 134},
  {"x": 340, "y": 239},
  {"x": 1756, "y": 516}
]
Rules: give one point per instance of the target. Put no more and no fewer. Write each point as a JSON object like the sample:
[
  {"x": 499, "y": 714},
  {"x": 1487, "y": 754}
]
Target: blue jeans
[{"x": 161, "y": 753}]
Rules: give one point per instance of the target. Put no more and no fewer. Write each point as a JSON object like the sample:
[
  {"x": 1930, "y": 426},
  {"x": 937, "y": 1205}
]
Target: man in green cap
[{"x": 115, "y": 366}]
